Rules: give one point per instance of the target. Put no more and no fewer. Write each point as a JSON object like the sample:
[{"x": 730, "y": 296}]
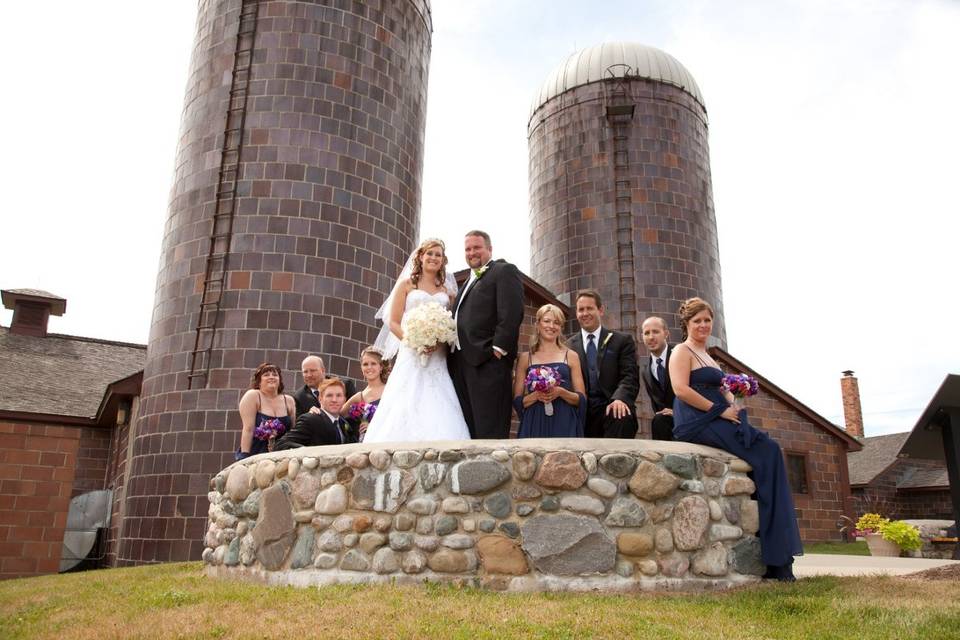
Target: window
[{"x": 797, "y": 473}]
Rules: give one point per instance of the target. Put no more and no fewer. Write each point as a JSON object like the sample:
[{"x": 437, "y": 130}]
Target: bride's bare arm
[{"x": 397, "y": 306}]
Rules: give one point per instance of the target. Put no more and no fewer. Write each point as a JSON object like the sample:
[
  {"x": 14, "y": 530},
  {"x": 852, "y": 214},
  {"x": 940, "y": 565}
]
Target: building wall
[
  {"x": 671, "y": 228},
  {"x": 118, "y": 470},
  {"x": 827, "y": 497},
  {"x": 326, "y": 209},
  {"x": 881, "y": 495},
  {"x": 37, "y": 467},
  {"x": 925, "y": 504},
  {"x": 92, "y": 460}
]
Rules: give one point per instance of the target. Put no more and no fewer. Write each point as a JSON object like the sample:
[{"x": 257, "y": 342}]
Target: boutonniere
[
  {"x": 478, "y": 273},
  {"x": 603, "y": 344}
]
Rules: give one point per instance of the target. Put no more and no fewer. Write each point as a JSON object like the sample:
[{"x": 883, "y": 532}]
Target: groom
[{"x": 488, "y": 311}]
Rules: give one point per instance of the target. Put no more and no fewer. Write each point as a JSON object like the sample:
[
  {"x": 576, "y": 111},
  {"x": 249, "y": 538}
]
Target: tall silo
[
  {"x": 620, "y": 191},
  {"x": 295, "y": 200}
]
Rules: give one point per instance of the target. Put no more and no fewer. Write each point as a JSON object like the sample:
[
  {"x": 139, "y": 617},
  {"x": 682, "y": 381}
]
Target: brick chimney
[
  {"x": 32, "y": 309},
  {"x": 852, "y": 416}
]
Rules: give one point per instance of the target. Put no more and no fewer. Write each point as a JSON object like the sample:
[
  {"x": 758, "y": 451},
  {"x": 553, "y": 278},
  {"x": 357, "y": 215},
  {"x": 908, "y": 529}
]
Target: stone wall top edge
[{"x": 540, "y": 446}]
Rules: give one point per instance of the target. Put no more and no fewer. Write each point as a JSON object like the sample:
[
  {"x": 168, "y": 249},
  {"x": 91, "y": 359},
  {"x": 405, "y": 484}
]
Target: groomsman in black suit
[
  {"x": 307, "y": 398},
  {"x": 488, "y": 311},
  {"x": 325, "y": 426},
  {"x": 655, "y": 371},
  {"x": 609, "y": 361}
]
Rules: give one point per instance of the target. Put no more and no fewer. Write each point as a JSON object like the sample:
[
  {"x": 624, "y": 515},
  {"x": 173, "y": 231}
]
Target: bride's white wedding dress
[{"x": 419, "y": 403}]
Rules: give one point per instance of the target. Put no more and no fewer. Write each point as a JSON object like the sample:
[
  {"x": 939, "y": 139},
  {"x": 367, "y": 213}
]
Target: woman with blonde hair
[
  {"x": 549, "y": 394},
  {"x": 705, "y": 413}
]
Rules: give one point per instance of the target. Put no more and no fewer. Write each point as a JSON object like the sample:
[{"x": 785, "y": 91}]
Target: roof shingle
[{"x": 62, "y": 375}]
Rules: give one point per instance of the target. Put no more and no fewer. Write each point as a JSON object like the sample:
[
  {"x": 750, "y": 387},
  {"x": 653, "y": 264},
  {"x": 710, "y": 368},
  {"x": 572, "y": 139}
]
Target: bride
[{"x": 418, "y": 402}]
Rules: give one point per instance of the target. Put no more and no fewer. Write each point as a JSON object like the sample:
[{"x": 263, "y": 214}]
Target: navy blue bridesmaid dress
[
  {"x": 779, "y": 534},
  {"x": 566, "y": 422}
]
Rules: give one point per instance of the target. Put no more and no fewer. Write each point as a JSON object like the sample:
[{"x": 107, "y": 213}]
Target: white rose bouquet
[{"x": 427, "y": 326}]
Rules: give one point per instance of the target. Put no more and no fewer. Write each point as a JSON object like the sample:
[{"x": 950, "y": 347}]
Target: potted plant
[
  {"x": 888, "y": 538},
  {"x": 904, "y": 535}
]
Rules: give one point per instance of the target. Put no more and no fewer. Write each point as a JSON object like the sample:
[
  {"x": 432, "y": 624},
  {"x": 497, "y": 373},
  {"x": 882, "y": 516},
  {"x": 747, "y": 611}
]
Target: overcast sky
[{"x": 834, "y": 147}]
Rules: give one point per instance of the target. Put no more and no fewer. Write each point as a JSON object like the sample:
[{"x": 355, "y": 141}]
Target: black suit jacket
[
  {"x": 314, "y": 429},
  {"x": 490, "y": 313},
  {"x": 660, "y": 397},
  {"x": 305, "y": 400},
  {"x": 617, "y": 364}
]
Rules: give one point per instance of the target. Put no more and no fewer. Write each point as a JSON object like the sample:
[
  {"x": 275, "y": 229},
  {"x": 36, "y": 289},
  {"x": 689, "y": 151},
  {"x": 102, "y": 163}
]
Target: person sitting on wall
[
  {"x": 324, "y": 426},
  {"x": 265, "y": 412},
  {"x": 655, "y": 371},
  {"x": 705, "y": 413},
  {"x": 314, "y": 373},
  {"x": 611, "y": 373}
]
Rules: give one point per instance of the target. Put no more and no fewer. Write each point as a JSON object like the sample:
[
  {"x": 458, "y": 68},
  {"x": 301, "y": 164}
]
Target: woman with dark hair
[
  {"x": 265, "y": 411},
  {"x": 566, "y": 400},
  {"x": 704, "y": 413}
]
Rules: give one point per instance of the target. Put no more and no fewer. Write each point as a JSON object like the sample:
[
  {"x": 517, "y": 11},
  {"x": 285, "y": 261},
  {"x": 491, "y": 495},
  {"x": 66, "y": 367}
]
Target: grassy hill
[{"x": 178, "y": 601}]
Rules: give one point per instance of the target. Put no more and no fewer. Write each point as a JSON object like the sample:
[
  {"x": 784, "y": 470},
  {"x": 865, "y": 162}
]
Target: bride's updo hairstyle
[
  {"x": 542, "y": 311},
  {"x": 690, "y": 308},
  {"x": 417, "y": 269}
]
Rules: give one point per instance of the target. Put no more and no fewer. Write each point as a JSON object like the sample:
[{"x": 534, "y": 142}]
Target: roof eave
[{"x": 852, "y": 443}]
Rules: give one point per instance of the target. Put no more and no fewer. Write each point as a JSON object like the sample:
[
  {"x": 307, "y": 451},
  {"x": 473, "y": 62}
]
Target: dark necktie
[
  {"x": 592, "y": 361},
  {"x": 316, "y": 393},
  {"x": 339, "y": 425},
  {"x": 661, "y": 373}
]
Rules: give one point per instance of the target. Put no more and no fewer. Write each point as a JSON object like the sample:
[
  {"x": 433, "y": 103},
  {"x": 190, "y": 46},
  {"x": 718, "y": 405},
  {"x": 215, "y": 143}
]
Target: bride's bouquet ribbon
[
  {"x": 543, "y": 378},
  {"x": 427, "y": 326}
]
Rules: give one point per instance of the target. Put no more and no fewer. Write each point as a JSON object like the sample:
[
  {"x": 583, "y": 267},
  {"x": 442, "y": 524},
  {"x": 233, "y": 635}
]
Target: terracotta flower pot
[{"x": 880, "y": 547}]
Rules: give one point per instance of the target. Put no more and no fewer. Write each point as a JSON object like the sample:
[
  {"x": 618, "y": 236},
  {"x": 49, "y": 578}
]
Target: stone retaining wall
[{"x": 519, "y": 515}]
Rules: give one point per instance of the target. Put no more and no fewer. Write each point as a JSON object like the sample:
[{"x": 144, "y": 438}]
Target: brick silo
[
  {"x": 620, "y": 191},
  {"x": 295, "y": 200}
]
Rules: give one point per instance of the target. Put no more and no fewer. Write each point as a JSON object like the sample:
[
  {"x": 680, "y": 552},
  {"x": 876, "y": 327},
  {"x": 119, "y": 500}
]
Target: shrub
[
  {"x": 871, "y": 522},
  {"x": 905, "y": 535}
]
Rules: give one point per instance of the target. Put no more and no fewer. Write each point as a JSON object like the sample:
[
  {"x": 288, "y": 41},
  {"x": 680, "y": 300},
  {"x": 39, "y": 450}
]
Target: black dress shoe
[{"x": 782, "y": 573}]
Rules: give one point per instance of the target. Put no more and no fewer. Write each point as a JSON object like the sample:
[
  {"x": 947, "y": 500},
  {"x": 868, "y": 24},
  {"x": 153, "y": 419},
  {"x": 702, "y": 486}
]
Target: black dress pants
[{"x": 484, "y": 392}]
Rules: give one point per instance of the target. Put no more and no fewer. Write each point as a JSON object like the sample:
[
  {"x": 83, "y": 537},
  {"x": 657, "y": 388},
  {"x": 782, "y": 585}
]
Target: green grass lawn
[
  {"x": 842, "y": 548},
  {"x": 178, "y": 601}
]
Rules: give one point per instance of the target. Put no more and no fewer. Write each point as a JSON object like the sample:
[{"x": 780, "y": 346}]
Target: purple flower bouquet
[
  {"x": 543, "y": 378},
  {"x": 362, "y": 411},
  {"x": 268, "y": 430},
  {"x": 740, "y": 385}
]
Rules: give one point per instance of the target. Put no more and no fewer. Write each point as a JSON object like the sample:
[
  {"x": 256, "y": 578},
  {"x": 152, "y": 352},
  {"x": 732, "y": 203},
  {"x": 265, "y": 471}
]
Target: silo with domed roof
[{"x": 620, "y": 190}]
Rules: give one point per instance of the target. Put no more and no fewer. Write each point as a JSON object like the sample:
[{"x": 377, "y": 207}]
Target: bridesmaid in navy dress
[
  {"x": 704, "y": 413},
  {"x": 375, "y": 374},
  {"x": 568, "y": 398},
  {"x": 264, "y": 401}
]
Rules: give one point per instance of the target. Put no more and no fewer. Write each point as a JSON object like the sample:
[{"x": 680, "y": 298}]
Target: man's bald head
[
  {"x": 313, "y": 371},
  {"x": 655, "y": 334}
]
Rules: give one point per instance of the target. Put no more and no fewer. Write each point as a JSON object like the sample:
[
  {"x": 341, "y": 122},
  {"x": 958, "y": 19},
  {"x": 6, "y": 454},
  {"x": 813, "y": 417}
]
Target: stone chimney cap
[{"x": 10, "y": 297}]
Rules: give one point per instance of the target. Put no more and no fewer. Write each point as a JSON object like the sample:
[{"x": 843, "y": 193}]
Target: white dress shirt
[
  {"x": 596, "y": 337},
  {"x": 653, "y": 362},
  {"x": 336, "y": 423}
]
